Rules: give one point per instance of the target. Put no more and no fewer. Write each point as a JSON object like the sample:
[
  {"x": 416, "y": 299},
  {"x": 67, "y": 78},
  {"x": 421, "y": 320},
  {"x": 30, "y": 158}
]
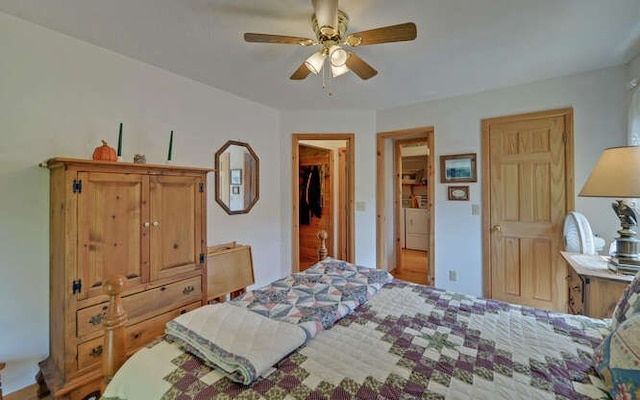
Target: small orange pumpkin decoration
[{"x": 104, "y": 153}]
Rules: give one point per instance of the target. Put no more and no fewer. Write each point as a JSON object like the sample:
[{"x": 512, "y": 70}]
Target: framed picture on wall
[
  {"x": 236, "y": 176},
  {"x": 458, "y": 168},
  {"x": 458, "y": 193}
]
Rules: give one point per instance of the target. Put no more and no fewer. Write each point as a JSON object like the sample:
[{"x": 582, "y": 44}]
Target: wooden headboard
[
  {"x": 322, "y": 253},
  {"x": 115, "y": 318}
]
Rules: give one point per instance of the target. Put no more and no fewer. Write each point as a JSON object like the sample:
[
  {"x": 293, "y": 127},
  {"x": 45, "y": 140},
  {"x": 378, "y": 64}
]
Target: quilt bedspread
[
  {"x": 317, "y": 297},
  {"x": 408, "y": 342}
]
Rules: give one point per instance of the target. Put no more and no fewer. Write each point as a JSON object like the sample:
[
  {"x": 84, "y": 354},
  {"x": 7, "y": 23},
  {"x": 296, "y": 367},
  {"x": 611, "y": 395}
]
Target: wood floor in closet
[{"x": 414, "y": 266}]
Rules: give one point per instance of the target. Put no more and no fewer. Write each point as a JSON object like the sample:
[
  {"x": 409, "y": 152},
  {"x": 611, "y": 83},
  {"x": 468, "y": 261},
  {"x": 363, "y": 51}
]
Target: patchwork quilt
[
  {"x": 407, "y": 342},
  {"x": 317, "y": 297},
  {"x": 243, "y": 344}
]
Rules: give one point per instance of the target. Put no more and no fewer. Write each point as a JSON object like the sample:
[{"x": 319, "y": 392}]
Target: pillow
[
  {"x": 618, "y": 360},
  {"x": 628, "y": 304}
]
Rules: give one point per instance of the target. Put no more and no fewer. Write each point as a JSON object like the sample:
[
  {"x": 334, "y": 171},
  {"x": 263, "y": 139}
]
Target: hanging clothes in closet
[{"x": 310, "y": 193}]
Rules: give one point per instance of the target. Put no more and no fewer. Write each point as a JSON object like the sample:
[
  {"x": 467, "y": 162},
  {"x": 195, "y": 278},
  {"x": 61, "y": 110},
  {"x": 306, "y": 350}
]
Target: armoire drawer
[
  {"x": 147, "y": 303},
  {"x": 90, "y": 352}
]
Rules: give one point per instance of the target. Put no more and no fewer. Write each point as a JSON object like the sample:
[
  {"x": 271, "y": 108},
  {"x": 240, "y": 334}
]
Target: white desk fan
[{"x": 578, "y": 237}]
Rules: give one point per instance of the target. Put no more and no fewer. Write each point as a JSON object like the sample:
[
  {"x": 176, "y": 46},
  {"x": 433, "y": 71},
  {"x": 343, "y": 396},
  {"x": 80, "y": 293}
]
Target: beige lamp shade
[
  {"x": 315, "y": 62},
  {"x": 616, "y": 175},
  {"x": 339, "y": 71},
  {"x": 338, "y": 56}
]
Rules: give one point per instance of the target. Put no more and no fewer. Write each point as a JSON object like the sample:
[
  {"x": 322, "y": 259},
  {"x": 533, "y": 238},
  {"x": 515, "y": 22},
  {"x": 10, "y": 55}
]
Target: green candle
[
  {"x": 170, "y": 146},
  {"x": 120, "y": 141}
]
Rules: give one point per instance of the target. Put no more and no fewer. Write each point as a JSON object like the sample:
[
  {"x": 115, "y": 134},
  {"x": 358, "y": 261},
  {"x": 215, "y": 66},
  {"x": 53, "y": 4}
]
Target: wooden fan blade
[
  {"x": 267, "y": 38},
  {"x": 386, "y": 34},
  {"x": 300, "y": 73},
  {"x": 360, "y": 67}
]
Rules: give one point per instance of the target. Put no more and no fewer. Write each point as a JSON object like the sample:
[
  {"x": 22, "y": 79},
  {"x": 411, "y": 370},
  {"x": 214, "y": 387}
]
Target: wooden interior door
[
  {"x": 176, "y": 233},
  {"x": 526, "y": 196},
  {"x": 111, "y": 236}
]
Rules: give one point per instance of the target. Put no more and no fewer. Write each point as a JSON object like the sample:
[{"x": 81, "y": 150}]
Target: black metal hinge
[
  {"x": 77, "y": 186},
  {"x": 201, "y": 187},
  {"x": 201, "y": 258},
  {"x": 77, "y": 286}
]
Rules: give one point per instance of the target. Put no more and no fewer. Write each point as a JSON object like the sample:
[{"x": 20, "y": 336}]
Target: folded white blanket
[{"x": 242, "y": 343}]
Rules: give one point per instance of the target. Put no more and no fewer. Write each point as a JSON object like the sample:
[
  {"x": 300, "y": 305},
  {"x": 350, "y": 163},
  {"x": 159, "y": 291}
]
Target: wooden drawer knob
[
  {"x": 96, "y": 351},
  {"x": 188, "y": 289}
]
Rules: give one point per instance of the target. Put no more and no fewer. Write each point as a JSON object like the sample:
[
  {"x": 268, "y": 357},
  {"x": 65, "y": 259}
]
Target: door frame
[
  {"x": 342, "y": 242},
  {"x": 350, "y": 192},
  {"x": 567, "y": 114},
  {"x": 381, "y": 188}
]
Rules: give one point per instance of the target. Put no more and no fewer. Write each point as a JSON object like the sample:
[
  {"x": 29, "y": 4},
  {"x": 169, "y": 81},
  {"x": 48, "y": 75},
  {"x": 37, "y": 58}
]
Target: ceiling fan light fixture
[
  {"x": 338, "y": 56},
  {"x": 330, "y": 25},
  {"x": 339, "y": 71},
  {"x": 326, "y": 12},
  {"x": 315, "y": 62}
]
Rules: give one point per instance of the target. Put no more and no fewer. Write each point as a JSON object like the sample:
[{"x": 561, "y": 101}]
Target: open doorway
[
  {"x": 323, "y": 193},
  {"x": 411, "y": 164},
  {"x": 405, "y": 192}
]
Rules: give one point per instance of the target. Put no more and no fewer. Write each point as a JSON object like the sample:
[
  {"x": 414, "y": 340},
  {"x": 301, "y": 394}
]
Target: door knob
[
  {"x": 496, "y": 228},
  {"x": 156, "y": 223},
  {"x": 146, "y": 224}
]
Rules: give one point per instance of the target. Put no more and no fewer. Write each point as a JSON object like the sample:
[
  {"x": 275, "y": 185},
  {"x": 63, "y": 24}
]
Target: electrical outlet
[
  {"x": 475, "y": 209},
  {"x": 453, "y": 276},
  {"x": 360, "y": 205}
]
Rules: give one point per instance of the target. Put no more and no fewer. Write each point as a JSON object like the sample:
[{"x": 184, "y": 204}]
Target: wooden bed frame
[{"x": 115, "y": 319}]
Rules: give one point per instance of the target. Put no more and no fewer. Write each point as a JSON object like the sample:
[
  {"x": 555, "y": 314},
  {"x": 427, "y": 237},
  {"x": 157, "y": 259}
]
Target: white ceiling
[{"x": 463, "y": 46}]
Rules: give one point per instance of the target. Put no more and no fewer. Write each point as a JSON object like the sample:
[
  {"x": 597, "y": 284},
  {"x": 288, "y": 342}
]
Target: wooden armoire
[{"x": 146, "y": 222}]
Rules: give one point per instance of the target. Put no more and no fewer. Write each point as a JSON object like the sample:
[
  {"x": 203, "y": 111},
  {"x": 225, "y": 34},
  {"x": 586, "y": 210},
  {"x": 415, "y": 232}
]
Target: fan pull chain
[{"x": 326, "y": 83}]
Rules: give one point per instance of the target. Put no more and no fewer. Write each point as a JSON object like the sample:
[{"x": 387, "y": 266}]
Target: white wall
[
  {"x": 633, "y": 70},
  {"x": 360, "y": 123},
  {"x": 59, "y": 97},
  {"x": 599, "y": 104},
  {"x": 633, "y": 74}
]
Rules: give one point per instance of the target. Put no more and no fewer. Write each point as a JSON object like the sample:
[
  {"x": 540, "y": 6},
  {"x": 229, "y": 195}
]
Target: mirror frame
[{"x": 222, "y": 204}]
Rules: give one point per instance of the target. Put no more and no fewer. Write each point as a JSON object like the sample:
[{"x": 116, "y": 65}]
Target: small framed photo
[
  {"x": 235, "y": 189},
  {"x": 236, "y": 176},
  {"x": 458, "y": 193},
  {"x": 458, "y": 168}
]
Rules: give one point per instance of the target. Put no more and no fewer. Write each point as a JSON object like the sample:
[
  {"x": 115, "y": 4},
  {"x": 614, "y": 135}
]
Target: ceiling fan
[{"x": 330, "y": 25}]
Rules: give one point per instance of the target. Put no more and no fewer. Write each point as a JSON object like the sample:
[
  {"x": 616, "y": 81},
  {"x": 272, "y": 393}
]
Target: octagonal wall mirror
[{"x": 237, "y": 177}]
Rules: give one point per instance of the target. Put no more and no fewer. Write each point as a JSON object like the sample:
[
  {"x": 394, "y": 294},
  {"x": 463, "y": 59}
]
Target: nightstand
[
  {"x": 2, "y": 365},
  {"x": 594, "y": 290}
]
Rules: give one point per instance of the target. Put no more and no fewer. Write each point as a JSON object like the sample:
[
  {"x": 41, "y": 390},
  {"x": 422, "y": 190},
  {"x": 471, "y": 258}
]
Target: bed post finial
[
  {"x": 323, "y": 235},
  {"x": 115, "y": 346}
]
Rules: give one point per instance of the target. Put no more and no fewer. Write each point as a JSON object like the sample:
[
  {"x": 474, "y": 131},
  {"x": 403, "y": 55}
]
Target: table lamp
[{"x": 617, "y": 175}]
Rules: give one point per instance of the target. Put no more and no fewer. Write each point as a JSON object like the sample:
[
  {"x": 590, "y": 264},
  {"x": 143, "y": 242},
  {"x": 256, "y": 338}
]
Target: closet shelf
[{"x": 413, "y": 182}]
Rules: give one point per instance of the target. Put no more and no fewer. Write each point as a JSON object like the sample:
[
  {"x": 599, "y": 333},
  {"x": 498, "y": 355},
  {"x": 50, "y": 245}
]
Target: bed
[{"x": 352, "y": 332}]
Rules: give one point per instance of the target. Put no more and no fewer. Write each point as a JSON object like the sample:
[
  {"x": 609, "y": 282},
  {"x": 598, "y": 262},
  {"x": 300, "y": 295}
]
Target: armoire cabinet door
[
  {"x": 111, "y": 233},
  {"x": 176, "y": 225}
]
